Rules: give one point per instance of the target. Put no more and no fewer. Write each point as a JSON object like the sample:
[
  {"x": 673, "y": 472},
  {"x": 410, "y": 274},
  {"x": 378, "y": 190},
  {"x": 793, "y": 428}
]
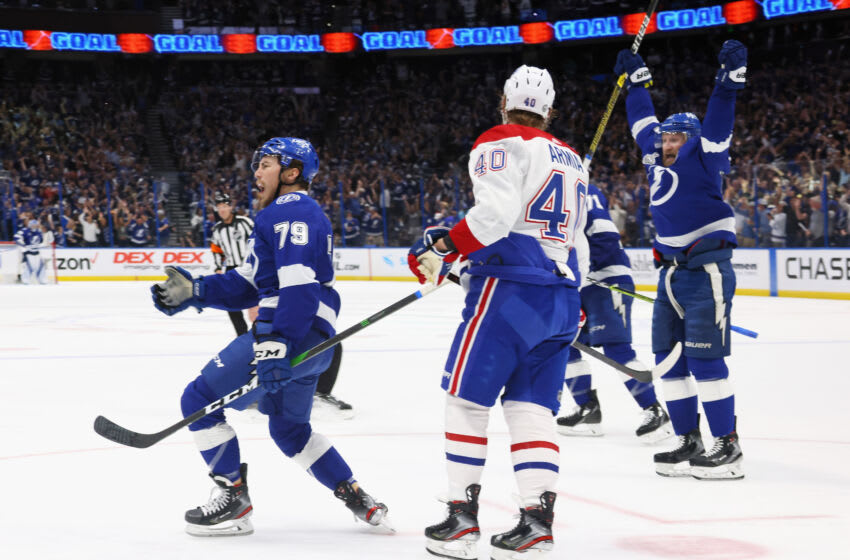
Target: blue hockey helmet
[
  {"x": 33, "y": 224},
  {"x": 688, "y": 123},
  {"x": 286, "y": 150}
]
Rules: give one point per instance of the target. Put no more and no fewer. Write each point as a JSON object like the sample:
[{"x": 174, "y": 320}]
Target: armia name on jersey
[
  {"x": 291, "y": 197},
  {"x": 564, "y": 157}
]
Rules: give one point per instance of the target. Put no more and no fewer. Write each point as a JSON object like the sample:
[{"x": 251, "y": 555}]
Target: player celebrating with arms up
[
  {"x": 289, "y": 269},
  {"x": 693, "y": 248},
  {"x": 520, "y": 317}
]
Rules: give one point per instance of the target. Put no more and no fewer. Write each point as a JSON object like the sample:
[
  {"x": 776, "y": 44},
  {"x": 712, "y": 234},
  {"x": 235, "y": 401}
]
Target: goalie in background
[{"x": 30, "y": 241}]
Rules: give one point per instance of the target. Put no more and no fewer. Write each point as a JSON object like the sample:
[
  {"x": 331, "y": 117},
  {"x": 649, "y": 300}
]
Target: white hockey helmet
[{"x": 530, "y": 89}]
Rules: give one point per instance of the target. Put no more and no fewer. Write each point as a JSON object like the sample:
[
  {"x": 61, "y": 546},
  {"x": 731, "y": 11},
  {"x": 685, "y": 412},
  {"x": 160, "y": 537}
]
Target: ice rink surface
[{"x": 76, "y": 350}]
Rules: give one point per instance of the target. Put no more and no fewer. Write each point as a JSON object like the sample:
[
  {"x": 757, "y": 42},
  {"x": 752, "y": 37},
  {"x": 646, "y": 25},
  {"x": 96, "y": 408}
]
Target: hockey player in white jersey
[
  {"x": 609, "y": 324},
  {"x": 684, "y": 162},
  {"x": 30, "y": 241},
  {"x": 520, "y": 316}
]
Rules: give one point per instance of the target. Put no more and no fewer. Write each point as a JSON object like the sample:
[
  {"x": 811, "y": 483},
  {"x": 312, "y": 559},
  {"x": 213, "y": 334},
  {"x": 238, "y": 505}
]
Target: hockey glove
[
  {"x": 178, "y": 292},
  {"x": 273, "y": 367},
  {"x": 427, "y": 263},
  {"x": 637, "y": 74},
  {"x": 733, "y": 65}
]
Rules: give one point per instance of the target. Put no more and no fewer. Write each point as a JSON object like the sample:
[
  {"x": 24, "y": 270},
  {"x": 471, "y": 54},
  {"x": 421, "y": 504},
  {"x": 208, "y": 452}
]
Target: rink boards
[{"x": 820, "y": 273}]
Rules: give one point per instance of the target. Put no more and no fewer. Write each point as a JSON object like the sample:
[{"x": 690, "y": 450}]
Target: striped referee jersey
[{"x": 230, "y": 241}]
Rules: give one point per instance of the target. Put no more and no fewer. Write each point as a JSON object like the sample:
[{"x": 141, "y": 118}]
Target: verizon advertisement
[
  {"x": 813, "y": 270},
  {"x": 128, "y": 263}
]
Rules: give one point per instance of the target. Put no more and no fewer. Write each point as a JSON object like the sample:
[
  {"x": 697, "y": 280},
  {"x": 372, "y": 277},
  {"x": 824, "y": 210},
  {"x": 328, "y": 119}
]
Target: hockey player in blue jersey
[
  {"x": 520, "y": 316},
  {"x": 608, "y": 324},
  {"x": 30, "y": 240},
  {"x": 289, "y": 273},
  {"x": 684, "y": 161}
]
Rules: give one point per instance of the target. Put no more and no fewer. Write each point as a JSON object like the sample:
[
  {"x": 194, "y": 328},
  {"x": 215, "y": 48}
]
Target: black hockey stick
[
  {"x": 741, "y": 330},
  {"x": 621, "y": 81},
  {"x": 112, "y": 431}
]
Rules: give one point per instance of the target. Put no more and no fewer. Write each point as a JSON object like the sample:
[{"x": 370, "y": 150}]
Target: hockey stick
[
  {"x": 112, "y": 431},
  {"x": 621, "y": 81},
  {"x": 741, "y": 330}
]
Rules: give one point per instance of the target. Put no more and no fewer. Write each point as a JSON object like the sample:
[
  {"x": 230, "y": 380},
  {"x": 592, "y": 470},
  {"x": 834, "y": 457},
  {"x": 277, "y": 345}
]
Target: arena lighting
[
  {"x": 588, "y": 28},
  {"x": 690, "y": 19},
  {"x": 537, "y": 32},
  {"x": 731, "y": 13},
  {"x": 187, "y": 44},
  {"x": 289, "y": 43},
  {"x": 743, "y": 11},
  {"x": 486, "y": 36},
  {"x": 135, "y": 43},
  {"x": 339, "y": 42},
  {"x": 632, "y": 22},
  {"x": 391, "y": 40},
  {"x": 440, "y": 38},
  {"x": 12, "y": 39},
  {"x": 776, "y": 8},
  {"x": 38, "y": 40},
  {"x": 100, "y": 42},
  {"x": 239, "y": 43}
]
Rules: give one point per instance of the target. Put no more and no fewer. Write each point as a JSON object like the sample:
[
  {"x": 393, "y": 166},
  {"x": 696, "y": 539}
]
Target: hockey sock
[
  {"x": 680, "y": 393},
  {"x": 577, "y": 380},
  {"x": 533, "y": 450},
  {"x": 321, "y": 460},
  {"x": 623, "y": 353},
  {"x": 466, "y": 444},
  {"x": 716, "y": 394},
  {"x": 220, "y": 449}
]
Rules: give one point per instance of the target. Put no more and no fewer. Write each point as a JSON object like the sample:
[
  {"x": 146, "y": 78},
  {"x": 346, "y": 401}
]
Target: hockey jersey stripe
[
  {"x": 601, "y": 226},
  {"x": 638, "y": 127},
  {"x": 723, "y": 224},
  {"x": 295, "y": 275},
  {"x": 710, "y": 147},
  {"x": 466, "y": 439},
  {"x": 325, "y": 311},
  {"x": 533, "y": 445},
  {"x": 465, "y": 460},
  {"x": 513, "y": 130},
  {"x": 536, "y": 465},
  {"x": 470, "y": 334},
  {"x": 464, "y": 239},
  {"x": 609, "y": 271}
]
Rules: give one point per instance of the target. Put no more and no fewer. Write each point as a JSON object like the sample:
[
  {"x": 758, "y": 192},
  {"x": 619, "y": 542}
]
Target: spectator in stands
[
  {"x": 351, "y": 230},
  {"x": 374, "y": 228},
  {"x": 138, "y": 232},
  {"x": 90, "y": 229}
]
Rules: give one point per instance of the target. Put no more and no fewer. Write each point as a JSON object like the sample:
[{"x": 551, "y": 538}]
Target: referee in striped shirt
[{"x": 229, "y": 247}]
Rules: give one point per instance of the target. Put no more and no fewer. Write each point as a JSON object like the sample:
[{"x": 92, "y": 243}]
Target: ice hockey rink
[{"x": 71, "y": 351}]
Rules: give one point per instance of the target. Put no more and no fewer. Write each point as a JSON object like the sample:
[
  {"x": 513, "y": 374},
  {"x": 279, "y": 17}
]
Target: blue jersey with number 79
[{"x": 289, "y": 270}]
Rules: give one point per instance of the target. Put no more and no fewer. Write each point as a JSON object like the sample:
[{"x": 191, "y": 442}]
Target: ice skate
[
  {"x": 584, "y": 420},
  {"x": 227, "y": 513},
  {"x": 676, "y": 462},
  {"x": 457, "y": 536},
  {"x": 655, "y": 424},
  {"x": 328, "y": 407},
  {"x": 721, "y": 462},
  {"x": 532, "y": 536},
  {"x": 362, "y": 505}
]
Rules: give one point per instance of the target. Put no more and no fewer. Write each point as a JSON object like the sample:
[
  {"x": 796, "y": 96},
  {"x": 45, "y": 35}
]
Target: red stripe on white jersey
[
  {"x": 466, "y": 439},
  {"x": 534, "y": 445},
  {"x": 471, "y": 332}
]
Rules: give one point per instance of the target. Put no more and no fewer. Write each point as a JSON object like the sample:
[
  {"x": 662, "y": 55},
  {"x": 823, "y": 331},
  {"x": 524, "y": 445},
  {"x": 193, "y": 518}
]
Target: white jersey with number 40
[{"x": 527, "y": 181}]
